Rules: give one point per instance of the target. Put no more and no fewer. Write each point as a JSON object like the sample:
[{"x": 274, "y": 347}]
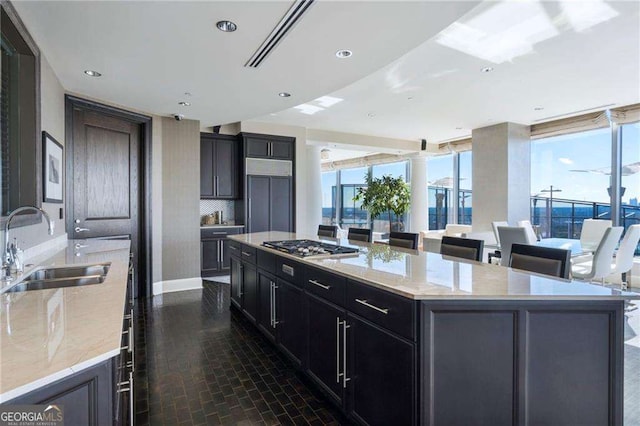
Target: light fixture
[
  {"x": 344, "y": 53},
  {"x": 284, "y": 94},
  {"x": 487, "y": 69},
  {"x": 226, "y": 26},
  {"x": 410, "y": 98},
  {"x": 92, "y": 73},
  {"x": 183, "y": 103},
  {"x": 324, "y": 154},
  {"x": 371, "y": 115},
  {"x": 187, "y": 94},
  {"x": 538, "y": 108},
  {"x": 458, "y": 128}
]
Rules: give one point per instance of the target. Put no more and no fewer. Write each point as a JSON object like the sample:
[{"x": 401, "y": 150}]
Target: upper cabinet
[
  {"x": 219, "y": 168},
  {"x": 267, "y": 146}
]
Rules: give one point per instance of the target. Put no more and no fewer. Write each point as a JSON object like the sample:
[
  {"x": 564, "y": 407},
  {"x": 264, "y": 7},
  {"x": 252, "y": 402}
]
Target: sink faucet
[{"x": 8, "y": 259}]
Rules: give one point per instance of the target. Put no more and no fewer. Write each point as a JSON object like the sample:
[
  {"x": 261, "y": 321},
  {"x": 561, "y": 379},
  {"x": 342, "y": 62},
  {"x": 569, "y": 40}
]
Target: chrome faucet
[{"x": 8, "y": 259}]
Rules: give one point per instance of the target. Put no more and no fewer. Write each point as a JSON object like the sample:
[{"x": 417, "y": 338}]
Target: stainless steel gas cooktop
[{"x": 305, "y": 248}]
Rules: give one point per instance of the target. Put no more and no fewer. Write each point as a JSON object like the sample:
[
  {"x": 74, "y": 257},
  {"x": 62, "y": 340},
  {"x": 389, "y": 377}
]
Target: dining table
[{"x": 574, "y": 245}]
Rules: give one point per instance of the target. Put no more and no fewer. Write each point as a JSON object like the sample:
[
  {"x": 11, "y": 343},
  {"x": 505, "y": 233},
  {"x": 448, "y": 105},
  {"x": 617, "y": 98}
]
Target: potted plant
[{"x": 386, "y": 194}]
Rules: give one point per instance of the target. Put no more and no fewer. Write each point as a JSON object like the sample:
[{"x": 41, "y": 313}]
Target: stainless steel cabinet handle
[
  {"x": 132, "y": 410},
  {"x": 78, "y": 229},
  {"x": 79, "y": 246},
  {"x": 345, "y": 379},
  {"x": 326, "y": 287},
  {"x": 338, "y": 373},
  {"x": 271, "y": 302},
  {"x": 368, "y": 305},
  {"x": 275, "y": 320},
  {"x": 216, "y": 180},
  {"x": 249, "y": 208},
  {"x": 130, "y": 339},
  {"x": 244, "y": 253},
  {"x": 218, "y": 233}
]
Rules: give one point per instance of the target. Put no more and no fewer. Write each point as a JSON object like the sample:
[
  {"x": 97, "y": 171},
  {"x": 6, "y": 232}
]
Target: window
[
  {"x": 381, "y": 223},
  {"x": 465, "y": 195},
  {"x": 440, "y": 179},
  {"x": 329, "y": 198},
  {"x": 570, "y": 177},
  {"x": 351, "y": 213},
  {"x": 630, "y": 206}
]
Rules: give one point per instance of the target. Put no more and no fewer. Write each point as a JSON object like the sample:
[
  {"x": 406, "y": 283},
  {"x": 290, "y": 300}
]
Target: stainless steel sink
[
  {"x": 56, "y": 283},
  {"x": 68, "y": 272},
  {"x": 64, "y": 276}
]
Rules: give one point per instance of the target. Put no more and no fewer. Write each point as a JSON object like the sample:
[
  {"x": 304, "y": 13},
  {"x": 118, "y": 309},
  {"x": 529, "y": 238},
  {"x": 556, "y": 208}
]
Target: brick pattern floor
[{"x": 200, "y": 363}]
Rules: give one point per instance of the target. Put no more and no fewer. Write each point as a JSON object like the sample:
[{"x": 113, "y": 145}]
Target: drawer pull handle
[
  {"x": 233, "y": 248},
  {"x": 218, "y": 233},
  {"x": 244, "y": 253},
  {"x": 368, "y": 305},
  {"x": 288, "y": 270},
  {"x": 326, "y": 287}
]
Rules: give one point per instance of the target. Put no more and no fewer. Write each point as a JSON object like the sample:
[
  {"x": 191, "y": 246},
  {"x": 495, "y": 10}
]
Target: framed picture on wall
[{"x": 52, "y": 165}]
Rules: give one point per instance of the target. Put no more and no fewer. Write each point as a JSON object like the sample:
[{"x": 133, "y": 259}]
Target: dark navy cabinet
[{"x": 219, "y": 168}]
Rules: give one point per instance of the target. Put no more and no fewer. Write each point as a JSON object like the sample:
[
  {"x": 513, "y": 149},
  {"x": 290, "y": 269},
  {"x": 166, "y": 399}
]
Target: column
[
  {"x": 313, "y": 207},
  {"x": 501, "y": 174},
  {"x": 419, "y": 213}
]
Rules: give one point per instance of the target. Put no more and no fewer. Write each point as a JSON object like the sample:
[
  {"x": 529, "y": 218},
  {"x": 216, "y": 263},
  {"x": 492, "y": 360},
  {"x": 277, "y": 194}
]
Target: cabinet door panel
[
  {"x": 250, "y": 291},
  {"x": 382, "y": 389},
  {"x": 256, "y": 148},
  {"x": 236, "y": 282},
  {"x": 290, "y": 317},
  {"x": 325, "y": 332},
  {"x": 281, "y": 208},
  {"x": 259, "y": 203},
  {"x": 210, "y": 253},
  {"x": 206, "y": 168},
  {"x": 282, "y": 150},
  {"x": 225, "y": 256},
  {"x": 265, "y": 304},
  {"x": 225, "y": 168}
]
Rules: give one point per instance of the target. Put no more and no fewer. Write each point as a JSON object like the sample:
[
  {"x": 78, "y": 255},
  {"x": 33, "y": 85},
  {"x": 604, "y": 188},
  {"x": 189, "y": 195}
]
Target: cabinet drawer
[
  {"x": 235, "y": 248},
  {"x": 210, "y": 233},
  {"x": 290, "y": 270},
  {"x": 248, "y": 254},
  {"x": 390, "y": 311},
  {"x": 326, "y": 285},
  {"x": 267, "y": 261}
]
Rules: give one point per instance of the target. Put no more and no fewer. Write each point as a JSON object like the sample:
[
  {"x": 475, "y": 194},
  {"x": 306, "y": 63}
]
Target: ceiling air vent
[{"x": 280, "y": 31}]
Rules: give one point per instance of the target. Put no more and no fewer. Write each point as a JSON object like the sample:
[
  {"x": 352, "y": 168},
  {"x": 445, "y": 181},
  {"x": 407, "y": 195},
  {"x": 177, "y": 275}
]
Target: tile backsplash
[{"x": 210, "y": 206}]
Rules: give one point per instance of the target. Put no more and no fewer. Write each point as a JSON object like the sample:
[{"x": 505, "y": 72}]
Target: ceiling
[
  {"x": 564, "y": 57},
  {"x": 151, "y": 53}
]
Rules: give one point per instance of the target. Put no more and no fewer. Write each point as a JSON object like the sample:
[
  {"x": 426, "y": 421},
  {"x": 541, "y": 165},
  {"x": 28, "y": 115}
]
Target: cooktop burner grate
[{"x": 304, "y": 248}]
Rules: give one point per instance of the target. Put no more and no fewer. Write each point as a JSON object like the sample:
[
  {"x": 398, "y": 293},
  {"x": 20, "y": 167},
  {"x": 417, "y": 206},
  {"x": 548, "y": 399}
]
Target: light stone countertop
[
  {"x": 430, "y": 276},
  {"x": 47, "y": 335}
]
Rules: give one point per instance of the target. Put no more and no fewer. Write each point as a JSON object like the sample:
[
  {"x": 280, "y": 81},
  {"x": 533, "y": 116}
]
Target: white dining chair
[
  {"x": 508, "y": 236},
  {"x": 592, "y": 232},
  {"x": 601, "y": 265},
  {"x": 528, "y": 228},
  {"x": 495, "y": 225},
  {"x": 626, "y": 250}
]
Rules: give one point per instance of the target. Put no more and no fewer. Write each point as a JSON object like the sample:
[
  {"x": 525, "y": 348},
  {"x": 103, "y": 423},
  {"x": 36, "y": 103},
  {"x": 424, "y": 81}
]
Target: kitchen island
[
  {"x": 396, "y": 336},
  {"x": 64, "y": 345}
]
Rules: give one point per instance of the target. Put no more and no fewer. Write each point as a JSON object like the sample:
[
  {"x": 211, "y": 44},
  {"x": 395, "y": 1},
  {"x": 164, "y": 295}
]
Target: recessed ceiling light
[
  {"x": 458, "y": 128},
  {"x": 284, "y": 94},
  {"x": 487, "y": 69},
  {"x": 92, "y": 73},
  {"x": 187, "y": 94},
  {"x": 226, "y": 26},
  {"x": 344, "y": 53},
  {"x": 538, "y": 108},
  {"x": 184, "y": 103},
  {"x": 410, "y": 98},
  {"x": 371, "y": 114}
]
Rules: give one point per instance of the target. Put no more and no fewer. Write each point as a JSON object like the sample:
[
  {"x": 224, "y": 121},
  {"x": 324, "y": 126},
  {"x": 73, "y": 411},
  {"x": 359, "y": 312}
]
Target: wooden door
[
  {"x": 280, "y": 204},
  {"x": 106, "y": 179},
  {"x": 225, "y": 168},
  {"x": 210, "y": 252},
  {"x": 259, "y": 203},
  {"x": 265, "y": 305},
  {"x": 206, "y": 168},
  {"x": 236, "y": 282},
  {"x": 250, "y": 291},
  {"x": 291, "y": 329}
]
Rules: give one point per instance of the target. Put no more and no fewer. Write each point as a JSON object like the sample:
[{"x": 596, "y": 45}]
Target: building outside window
[
  {"x": 351, "y": 213},
  {"x": 329, "y": 197}
]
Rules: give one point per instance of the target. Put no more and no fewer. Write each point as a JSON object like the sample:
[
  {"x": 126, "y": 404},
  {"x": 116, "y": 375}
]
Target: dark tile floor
[{"x": 200, "y": 363}]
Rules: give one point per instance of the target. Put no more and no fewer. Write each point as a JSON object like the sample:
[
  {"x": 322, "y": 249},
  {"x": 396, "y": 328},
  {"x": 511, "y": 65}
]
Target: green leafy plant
[{"x": 386, "y": 194}]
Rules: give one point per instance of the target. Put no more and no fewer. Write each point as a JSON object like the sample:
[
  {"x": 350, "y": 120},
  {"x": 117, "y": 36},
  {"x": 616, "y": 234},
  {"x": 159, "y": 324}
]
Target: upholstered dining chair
[
  {"x": 508, "y": 236},
  {"x": 404, "y": 239},
  {"x": 327, "y": 231},
  {"x": 542, "y": 260},
  {"x": 464, "y": 248},
  {"x": 360, "y": 234},
  {"x": 601, "y": 265}
]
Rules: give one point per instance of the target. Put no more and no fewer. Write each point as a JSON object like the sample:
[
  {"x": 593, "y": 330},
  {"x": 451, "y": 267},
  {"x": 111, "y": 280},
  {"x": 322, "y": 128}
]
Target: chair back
[
  {"x": 327, "y": 231},
  {"x": 626, "y": 250},
  {"x": 542, "y": 260},
  {"x": 464, "y": 248},
  {"x": 360, "y": 234},
  {"x": 404, "y": 239},
  {"x": 532, "y": 238},
  {"x": 592, "y": 232},
  {"x": 601, "y": 264},
  {"x": 508, "y": 236},
  {"x": 495, "y": 225}
]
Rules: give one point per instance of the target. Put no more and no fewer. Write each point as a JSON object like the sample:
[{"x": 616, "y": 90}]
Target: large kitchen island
[{"x": 396, "y": 336}]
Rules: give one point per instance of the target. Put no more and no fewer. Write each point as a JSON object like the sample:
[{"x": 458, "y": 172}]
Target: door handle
[
  {"x": 345, "y": 379},
  {"x": 369, "y": 305},
  {"x": 78, "y": 229},
  {"x": 338, "y": 373}
]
